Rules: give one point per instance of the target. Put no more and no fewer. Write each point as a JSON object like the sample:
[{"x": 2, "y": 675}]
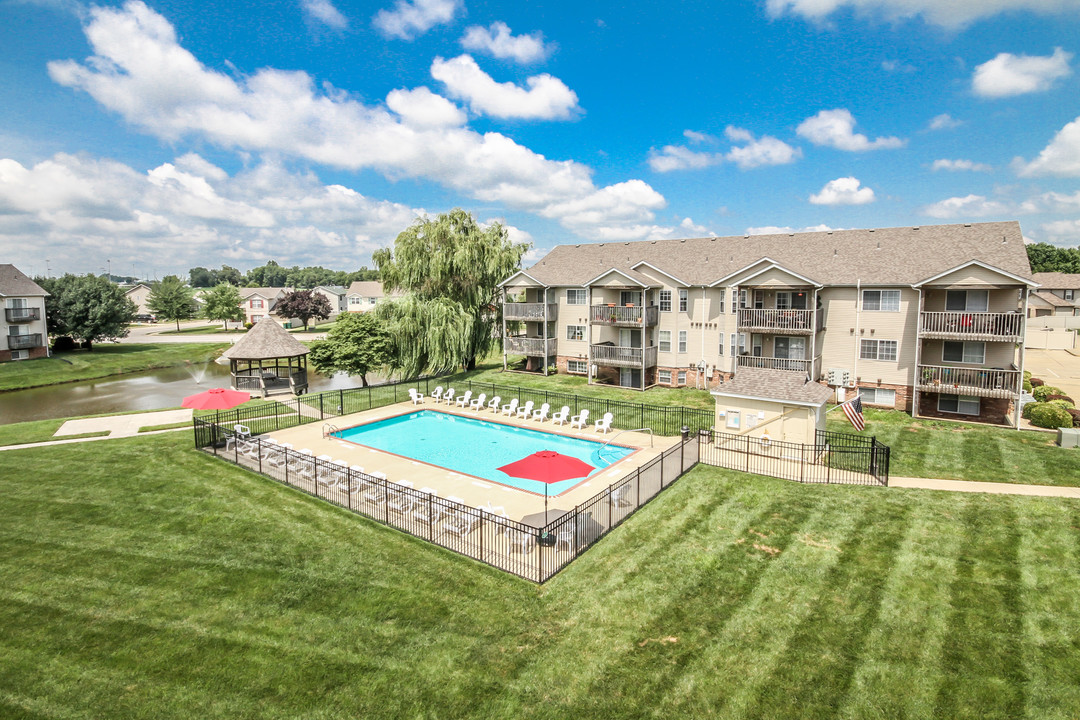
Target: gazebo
[{"x": 268, "y": 360}]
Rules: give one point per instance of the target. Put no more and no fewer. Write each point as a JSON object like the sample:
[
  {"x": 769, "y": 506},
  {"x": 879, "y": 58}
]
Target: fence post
[
  {"x": 259, "y": 449},
  {"x": 341, "y": 402},
  {"x": 639, "y": 479},
  {"x": 481, "y": 558},
  {"x": 828, "y": 464},
  {"x": 322, "y": 415},
  {"x": 747, "y": 453}
]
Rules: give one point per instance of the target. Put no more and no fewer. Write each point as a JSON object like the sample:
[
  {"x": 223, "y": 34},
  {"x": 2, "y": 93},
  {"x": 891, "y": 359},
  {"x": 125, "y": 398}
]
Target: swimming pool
[{"x": 478, "y": 447}]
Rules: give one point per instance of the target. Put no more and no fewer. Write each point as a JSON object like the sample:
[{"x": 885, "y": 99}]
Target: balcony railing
[
  {"x": 799, "y": 322},
  {"x": 983, "y": 382},
  {"x": 530, "y": 311},
  {"x": 621, "y": 315},
  {"x": 987, "y": 326},
  {"x": 517, "y": 345},
  {"x": 24, "y": 342},
  {"x": 623, "y": 356},
  {"x": 22, "y": 314},
  {"x": 773, "y": 363}
]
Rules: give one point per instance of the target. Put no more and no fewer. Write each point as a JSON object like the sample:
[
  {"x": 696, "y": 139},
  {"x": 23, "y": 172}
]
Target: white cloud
[
  {"x": 947, "y": 13},
  {"x": 757, "y": 152},
  {"x": 969, "y": 206},
  {"x": 178, "y": 214},
  {"x": 843, "y": 191},
  {"x": 1007, "y": 74},
  {"x": 1061, "y": 157},
  {"x": 1059, "y": 202},
  {"x": 698, "y": 137},
  {"x": 410, "y": 19},
  {"x": 614, "y": 212},
  {"x": 897, "y": 66},
  {"x": 679, "y": 157},
  {"x": 957, "y": 165},
  {"x": 944, "y": 121},
  {"x": 546, "y": 99},
  {"x": 691, "y": 228},
  {"x": 1062, "y": 232},
  {"x": 498, "y": 41},
  {"x": 836, "y": 128},
  {"x": 323, "y": 12},
  {"x": 139, "y": 71},
  {"x": 422, "y": 108},
  {"x": 787, "y": 230}
]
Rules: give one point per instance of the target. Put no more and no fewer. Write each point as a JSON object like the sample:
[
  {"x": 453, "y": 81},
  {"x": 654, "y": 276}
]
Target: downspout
[
  {"x": 504, "y": 327},
  {"x": 1023, "y": 348},
  {"x": 588, "y": 338},
  {"x": 704, "y": 317},
  {"x": 644, "y": 349},
  {"x": 858, "y": 329},
  {"x": 813, "y": 341},
  {"x": 545, "y": 333},
  {"x": 918, "y": 359}
]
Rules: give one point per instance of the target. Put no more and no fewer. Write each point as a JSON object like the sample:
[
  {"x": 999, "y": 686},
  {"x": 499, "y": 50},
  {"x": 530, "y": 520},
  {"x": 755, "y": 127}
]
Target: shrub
[
  {"x": 1069, "y": 401},
  {"x": 1035, "y": 382},
  {"x": 64, "y": 343},
  {"x": 1075, "y": 413},
  {"x": 1027, "y": 374},
  {"x": 1048, "y": 415},
  {"x": 248, "y": 326},
  {"x": 1027, "y": 386},
  {"x": 1026, "y": 412},
  {"x": 1042, "y": 392}
]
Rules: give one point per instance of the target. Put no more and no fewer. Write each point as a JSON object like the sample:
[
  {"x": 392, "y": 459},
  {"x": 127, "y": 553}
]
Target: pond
[{"x": 149, "y": 390}]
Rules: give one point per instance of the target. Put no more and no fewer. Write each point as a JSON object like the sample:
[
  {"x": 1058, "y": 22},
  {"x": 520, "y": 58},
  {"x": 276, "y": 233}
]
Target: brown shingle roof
[
  {"x": 265, "y": 341},
  {"x": 1053, "y": 300},
  {"x": 772, "y": 384},
  {"x": 13, "y": 282},
  {"x": 1057, "y": 280},
  {"x": 884, "y": 256}
]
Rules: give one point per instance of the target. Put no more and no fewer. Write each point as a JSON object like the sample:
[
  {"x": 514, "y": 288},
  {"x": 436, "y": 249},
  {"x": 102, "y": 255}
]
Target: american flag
[{"x": 853, "y": 409}]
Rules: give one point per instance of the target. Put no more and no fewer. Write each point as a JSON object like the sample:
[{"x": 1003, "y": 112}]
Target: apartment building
[
  {"x": 23, "y": 322},
  {"x": 927, "y": 319},
  {"x": 364, "y": 295}
]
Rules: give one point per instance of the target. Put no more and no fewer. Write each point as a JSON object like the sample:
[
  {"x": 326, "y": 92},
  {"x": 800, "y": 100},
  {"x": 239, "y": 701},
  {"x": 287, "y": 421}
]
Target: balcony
[
  {"x": 619, "y": 356},
  {"x": 982, "y": 382},
  {"x": 985, "y": 326},
  {"x": 537, "y": 347},
  {"x": 624, "y": 316},
  {"x": 773, "y": 363},
  {"x": 22, "y": 314},
  {"x": 530, "y": 312},
  {"x": 24, "y": 342},
  {"x": 792, "y": 322}
]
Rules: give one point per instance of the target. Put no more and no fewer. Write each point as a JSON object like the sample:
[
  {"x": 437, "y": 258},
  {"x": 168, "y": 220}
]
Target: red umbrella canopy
[
  {"x": 216, "y": 399},
  {"x": 548, "y": 466}
]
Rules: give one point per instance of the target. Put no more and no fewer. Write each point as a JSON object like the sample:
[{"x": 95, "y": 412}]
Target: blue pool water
[{"x": 477, "y": 447}]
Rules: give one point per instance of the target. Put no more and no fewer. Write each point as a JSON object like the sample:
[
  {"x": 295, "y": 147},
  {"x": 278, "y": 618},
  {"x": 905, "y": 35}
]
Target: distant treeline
[
  {"x": 273, "y": 275},
  {"x": 1045, "y": 257}
]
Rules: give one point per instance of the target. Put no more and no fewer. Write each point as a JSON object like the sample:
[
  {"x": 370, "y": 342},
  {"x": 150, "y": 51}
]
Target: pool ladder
[
  {"x": 328, "y": 429},
  {"x": 649, "y": 430}
]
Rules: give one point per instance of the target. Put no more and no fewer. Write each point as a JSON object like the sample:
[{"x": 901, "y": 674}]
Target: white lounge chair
[
  {"x": 425, "y": 511},
  {"x": 494, "y": 404},
  {"x": 448, "y": 398},
  {"x": 620, "y": 497},
  {"x": 416, "y": 397},
  {"x": 398, "y": 500},
  {"x": 562, "y": 416},
  {"x": 462, "y": 522},
  {"x": 522, "y": 541},
  {"x": 511, "y": 408},
  {"x": 437, "y": 394},
  {"x": 464, "y": 400},
  {"x": 478, "y": 403},
  {"x": 580, "y": 421},
  {"x": 542, "y": 414},
  {"x": 525, "y": 410},
  {"x": 604, "y": 424}
]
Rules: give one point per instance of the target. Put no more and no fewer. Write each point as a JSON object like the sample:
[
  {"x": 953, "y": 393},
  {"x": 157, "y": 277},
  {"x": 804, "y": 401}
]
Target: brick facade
[
  {"x": 38, "y": 352},
  {"x": 997, "y": 411}
]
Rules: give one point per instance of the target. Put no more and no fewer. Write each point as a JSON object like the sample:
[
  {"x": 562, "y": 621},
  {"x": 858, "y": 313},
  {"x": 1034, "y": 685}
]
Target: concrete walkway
[
  {"x": 985, "y": 487},
  {"x": 123, "y": 425}
]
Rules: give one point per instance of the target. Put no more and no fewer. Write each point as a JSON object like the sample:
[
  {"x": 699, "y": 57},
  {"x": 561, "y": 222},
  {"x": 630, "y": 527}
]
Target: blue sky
[{"x": 162, "y": 135}]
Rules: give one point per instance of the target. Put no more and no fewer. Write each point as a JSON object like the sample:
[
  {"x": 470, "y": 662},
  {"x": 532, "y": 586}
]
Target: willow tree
[{"x": 447, "y": 270}]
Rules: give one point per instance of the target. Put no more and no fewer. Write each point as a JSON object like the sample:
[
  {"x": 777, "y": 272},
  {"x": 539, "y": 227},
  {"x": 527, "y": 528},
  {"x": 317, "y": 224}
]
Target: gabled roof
[
  {"x": 521, "y": 273},
  {"x": 366, "y": 288},
  {"x": 335, "y": 289},
  {"x": 136, "y": 286},
  {"x": 1052, "y": 300},
  {"x": 984, "y": 266},
  {"x": 634, "y": 277},
  {"x": 265, "y": 292},
  {"x": 779, "y": 385},
  {"x": 264, "y": 341},
  {"x": 1057, "y": 280},
  {"x": 656, "y": 269},
  {"x": 776, "y": 266},
  {"x": 13, "y": 283}
]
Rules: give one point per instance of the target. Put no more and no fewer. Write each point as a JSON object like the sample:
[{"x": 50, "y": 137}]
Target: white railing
[
  {"x": 1008, "y": 326},
  {"x": 987, "y": 382},
  {"x": 801, "y": 321},
  {"x": 623, "y": 315},
  {"x": 623, "y": 356},
  {"x": 773, "y": 363},
  {"x": 530, "y": 311},
  {"x": 518, "y": 345}
]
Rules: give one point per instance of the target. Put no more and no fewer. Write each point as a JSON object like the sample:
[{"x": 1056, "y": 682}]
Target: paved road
[{"x": 152, "y": 334}]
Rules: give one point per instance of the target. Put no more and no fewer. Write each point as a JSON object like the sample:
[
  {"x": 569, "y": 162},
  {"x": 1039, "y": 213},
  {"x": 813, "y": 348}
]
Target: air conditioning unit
[{"x": 838, "y": 377}]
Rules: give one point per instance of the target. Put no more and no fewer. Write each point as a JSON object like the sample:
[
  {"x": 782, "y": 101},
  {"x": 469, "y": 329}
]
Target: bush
[
  {"x": 1035, "y": 382},
  {"x": 1042, "y": 392},
  {"x": 64, "y": 343},
  {"x": 248, "y": 326},
  {"x": 1048, "y": 415},
  {"x": 1027, "y": 374},
  {"x": 1075, "y": 413},
  {"x": 1068, "y": 400},
  {"x": 1027, "y": 386},
  {"x": 1026, "y": 412}
]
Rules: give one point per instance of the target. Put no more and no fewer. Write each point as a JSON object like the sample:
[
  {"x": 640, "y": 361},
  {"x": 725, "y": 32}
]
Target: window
[
  {"x": 353, "y": 300},
  {"x": 577, "y": 367},
  {"x": 759, "y": 299},
  {"x": 720, "y": 303},
  {"x": 663, "y": 376},
  {"x": 878, "y": 350},
  {"x": 721, "y": 344},
  {"x": 878, "y": 396},
  {"x": 1068, "y": 294},
  {"x": 964, "y": 352},
  {"x": 575, "y": 296},
  {"x": 783, "y": 301},
  {"x": 256, "y": 304},
  {"x": 960, "y": 404},
  {"x": 683, "y": 300},
  {"x": 682, "y": 341},
  {"x": 883, "y": 300},
  {"x": 682, "y": 377},
  {"x": 20, "y": 354},
  {"x": 967, "y": 300},
  {"x": 371, "y": 301},
  {"x": 734, "y": 350},
  {"x": 665, "y": 341},
  {"x": 742, "y": 299},
  {"x": 732, "y": 419},
  {"x": 734, "y": 300},
  {"x": 575, "y": 332},
  {"x": 665, "y": 301}
]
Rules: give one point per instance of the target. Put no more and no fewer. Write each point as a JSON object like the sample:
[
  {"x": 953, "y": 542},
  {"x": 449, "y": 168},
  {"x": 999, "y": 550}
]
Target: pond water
[{"x": 149, "y": 390}]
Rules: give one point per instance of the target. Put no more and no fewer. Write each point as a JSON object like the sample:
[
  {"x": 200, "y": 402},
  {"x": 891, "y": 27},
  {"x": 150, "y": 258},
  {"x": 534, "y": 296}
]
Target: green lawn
[
  {"x": 961, "y": 451},
  {"x": 186, "y": 588},
  {"x": 214, "y": 329},
  {"x": 103, "y": 361}
]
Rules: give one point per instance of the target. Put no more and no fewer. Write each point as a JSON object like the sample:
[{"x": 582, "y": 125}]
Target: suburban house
[
  {"x": 23, "y": 323},
  {"x": 927, "y": 319},
  {"x": 1058, "y": 295},
  {"x": 258, "y": 303},
  {"x": 138, "y": 294},
  {"x": 335, "y": 295},
  {"x": 363, "y": 295}
]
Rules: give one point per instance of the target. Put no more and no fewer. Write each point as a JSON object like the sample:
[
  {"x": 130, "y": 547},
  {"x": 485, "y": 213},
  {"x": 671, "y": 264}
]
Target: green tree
[
  {"x": 89, "y": 308},
  {"x": 269, "y": 275},
  {"x": 200, "y": 277},
  {"x": 357, "y": 344},
  {"x": 449, "y": 269},
  {"x": 304, "y": 305},
  {"x": 230, "y": 275},
  {"x": 1045, "y": 257},
  {"x": 171, "y": 299},
  {"x": 222, "y": 302}
]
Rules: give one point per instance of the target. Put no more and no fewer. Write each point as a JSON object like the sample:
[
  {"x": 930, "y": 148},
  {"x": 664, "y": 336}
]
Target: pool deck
[{"x": 475, "y": 492}]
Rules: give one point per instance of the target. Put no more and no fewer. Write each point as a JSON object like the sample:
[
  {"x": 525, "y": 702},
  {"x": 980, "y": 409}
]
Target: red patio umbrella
[
  {"x": 216, "y": 399},
  {"x": 548, "y": 466}
]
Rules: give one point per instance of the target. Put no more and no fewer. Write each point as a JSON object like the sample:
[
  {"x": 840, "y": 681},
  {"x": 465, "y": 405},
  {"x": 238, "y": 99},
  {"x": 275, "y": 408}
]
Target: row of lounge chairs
[{"x": 512, "y": 409}]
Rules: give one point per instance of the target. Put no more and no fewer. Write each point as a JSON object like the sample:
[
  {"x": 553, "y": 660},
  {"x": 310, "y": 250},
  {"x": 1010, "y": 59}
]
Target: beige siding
[
  {"x": 760, "y": 417},
  {"x": 1000, "y": 355},
  {"x": 845, "y": 328},
  {"x": 775, "y": 277},
  {"x": 973, "y": 276},
  {"x": 1006, "y": 300}
]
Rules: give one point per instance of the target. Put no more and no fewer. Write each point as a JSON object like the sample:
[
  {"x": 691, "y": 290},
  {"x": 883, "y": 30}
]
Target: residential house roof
[
  {"x": 266, "y": 340},
  {"x": 371, "y": 288},
  {"x": 1053, "y": 300},
  {"x": 881, "y": 256},
  {"x": 266, "y": 292},
  {"x": 770, "y": 384},
  {"x": 1057, "y": 280},
  {"x": 13, "y": 282},
  {"x": 335, "y": 289}
]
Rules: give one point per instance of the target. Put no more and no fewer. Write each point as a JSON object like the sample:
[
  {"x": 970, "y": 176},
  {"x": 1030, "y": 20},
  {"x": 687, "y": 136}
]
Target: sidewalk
[{"x": 985, "y": 487}]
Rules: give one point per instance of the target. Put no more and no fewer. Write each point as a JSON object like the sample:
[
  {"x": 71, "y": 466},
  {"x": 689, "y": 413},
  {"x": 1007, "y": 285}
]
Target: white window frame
[
  {"x": 734, "y": 300},
  {"x": 570, "y": 332},
  {"x": 966, "y": 356},
  {"x": 665, "y": 301},
  {"x": 871, "y": 396},
  {"x": 876, "y": 354},
  {"x": 256, "y": 304},
  {"x": 682, "y": 341},
  {"x": 573, "y": 293},
  {"x": 1067, "y": 294},
  {"x": 684, "y": 300},
  {"x": 20, "y": 354},
  {"x": 721, "y": 344},
  {"x": 886, "y": 300},
  {"x": 663, "y": 341},
  {"x": 961, "y": 401},
  {"x": 721, "y": 303},
  {"x": 663, "y": 377},
  {"x": 577, "y": 367},
  {"x": 681, "y": 378},
  {"x": 982, "y": 307}
]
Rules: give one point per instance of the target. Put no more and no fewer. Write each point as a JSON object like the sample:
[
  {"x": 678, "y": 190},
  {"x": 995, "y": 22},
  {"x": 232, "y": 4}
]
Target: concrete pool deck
[{"x": 473, "y": 491}]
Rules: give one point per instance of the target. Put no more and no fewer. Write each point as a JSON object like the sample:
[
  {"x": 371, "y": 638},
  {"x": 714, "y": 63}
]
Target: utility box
[{"x": 1069, "y": 437}]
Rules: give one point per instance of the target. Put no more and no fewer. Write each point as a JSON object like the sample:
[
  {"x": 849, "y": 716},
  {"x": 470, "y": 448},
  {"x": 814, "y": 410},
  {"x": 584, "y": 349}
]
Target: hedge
[
  {"x": 1042, "y": 392},
  {"x": 1047, "y": 415}
]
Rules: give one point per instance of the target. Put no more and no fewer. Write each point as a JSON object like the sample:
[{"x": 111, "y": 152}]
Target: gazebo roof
[{"x": 265, "y": 341}]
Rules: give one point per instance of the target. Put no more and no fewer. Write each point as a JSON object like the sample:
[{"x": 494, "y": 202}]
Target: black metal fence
[
  {"x": 533, "y": 553},
  {"x": 835, "y": 458}
]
